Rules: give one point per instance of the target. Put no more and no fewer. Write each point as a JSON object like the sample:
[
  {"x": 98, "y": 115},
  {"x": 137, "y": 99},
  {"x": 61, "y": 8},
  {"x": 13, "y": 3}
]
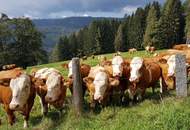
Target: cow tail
[{"x": 163, "y": 85}]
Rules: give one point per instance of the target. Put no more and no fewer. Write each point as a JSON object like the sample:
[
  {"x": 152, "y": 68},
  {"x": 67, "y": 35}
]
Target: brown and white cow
[
  {"x": 18, "y": 97},
  {"x": 50, "y": 88},
  {"x": 132, "y": 50},
  {"x": 150, "y": 49},
  {"x": 121, "y": 71},
  {"x": 99, "y": 84},
  {"x": 144, "y": 74},
  {"x": 84, "y": 69}
]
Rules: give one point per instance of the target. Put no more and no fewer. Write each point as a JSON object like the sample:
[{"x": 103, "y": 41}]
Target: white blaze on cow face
[
  {"x": 20, "y": 87},
  {"x": 53, "y": 84},
  {"x": 117, "y": 66},
  {"x": 70, "y": 69},
  {"x": 172, "y": 65},
  {"x": 100, "y": 84},
  {"x": 135, "y": 65},
  {"x": 45, "y": 72}
]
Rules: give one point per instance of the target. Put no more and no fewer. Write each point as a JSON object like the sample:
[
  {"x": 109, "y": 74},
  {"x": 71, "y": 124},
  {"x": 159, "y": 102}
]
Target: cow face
[
  {"x": 172, "y": 65},
  {"x": 117, "y": 66},
  {"x": 100, "y": 84},
  {"x": 135, "y": 66},
  {"x": 70, "y": 69},
  {"x": 20, "y": 87},
  {"x": 53, "y": 84}
]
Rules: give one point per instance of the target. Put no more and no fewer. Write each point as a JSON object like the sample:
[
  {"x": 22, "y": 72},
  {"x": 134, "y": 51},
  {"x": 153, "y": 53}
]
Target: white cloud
[{"x": 129, "y": 9}]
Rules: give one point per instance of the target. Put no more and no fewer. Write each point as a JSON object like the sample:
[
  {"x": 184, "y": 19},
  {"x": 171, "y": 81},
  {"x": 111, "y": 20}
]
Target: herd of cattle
[{"x": 118, "y": 75}]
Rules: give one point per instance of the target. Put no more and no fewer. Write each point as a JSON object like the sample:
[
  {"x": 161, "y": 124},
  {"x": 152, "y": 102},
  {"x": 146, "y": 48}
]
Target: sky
[{"x": 67, "y": 8}]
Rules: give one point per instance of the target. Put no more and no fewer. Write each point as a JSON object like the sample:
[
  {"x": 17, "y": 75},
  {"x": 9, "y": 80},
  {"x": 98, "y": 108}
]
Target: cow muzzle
[
  {"x": 14, "y": 106},
  {"x": 98, "y": 98}
]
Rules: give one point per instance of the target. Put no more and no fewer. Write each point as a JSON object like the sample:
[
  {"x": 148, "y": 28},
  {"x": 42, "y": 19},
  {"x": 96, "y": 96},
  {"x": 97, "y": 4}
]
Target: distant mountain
[{"x": 52, "y": 29}]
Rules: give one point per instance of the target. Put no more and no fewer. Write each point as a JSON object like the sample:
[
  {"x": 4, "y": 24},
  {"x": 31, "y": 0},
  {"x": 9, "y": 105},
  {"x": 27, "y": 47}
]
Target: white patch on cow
[
  {"x": 45, "y": 72},
  {"x": 147, "y": 48},
  {"x": 70, "y": 69},
  {"x": 100, "y": 83},
  {"x": 188, "y": 45},
  {"x": 172, "y": 65},
  {"x": 94, "y": 70},
  {"x": 53, "y": 86},
  {"x": 136, "y": 64},
  {"x": 117, "y": 65},
  {"x": 20, "y": 87}
]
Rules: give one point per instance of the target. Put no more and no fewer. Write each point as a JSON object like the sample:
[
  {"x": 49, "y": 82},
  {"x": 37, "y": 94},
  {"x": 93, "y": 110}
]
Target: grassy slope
[{"x": 152, "y": 114}]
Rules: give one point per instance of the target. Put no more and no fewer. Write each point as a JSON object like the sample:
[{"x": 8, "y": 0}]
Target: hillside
[{"x": 53, "y": 28}]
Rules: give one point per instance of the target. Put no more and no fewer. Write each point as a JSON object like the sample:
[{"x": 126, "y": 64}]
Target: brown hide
[
  {"x": 180, "y": 47},
  {"x": 7, "y": 75}
]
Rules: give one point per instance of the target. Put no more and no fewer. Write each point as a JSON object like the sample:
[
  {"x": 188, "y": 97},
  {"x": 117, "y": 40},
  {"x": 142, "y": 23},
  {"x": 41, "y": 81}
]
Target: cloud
[
  {"x": 130, "y": 9},
  {"x": 64, "y": 8}
]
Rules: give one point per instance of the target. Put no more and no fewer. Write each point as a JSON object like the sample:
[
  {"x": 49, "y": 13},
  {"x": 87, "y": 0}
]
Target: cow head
[
  {"x": 135, "y": 65},
  {"x": 98, "y": 85},
  {"x": 117, "y": 66},
  {"x": 172, "y": 65},
  {"x": 20, "y": 87},
  {"x": 54, "y": 84}
]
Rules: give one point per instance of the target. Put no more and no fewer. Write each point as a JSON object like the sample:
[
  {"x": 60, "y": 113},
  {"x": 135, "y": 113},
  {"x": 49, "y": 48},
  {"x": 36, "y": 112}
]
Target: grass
[{"x": 171, "y": 113}]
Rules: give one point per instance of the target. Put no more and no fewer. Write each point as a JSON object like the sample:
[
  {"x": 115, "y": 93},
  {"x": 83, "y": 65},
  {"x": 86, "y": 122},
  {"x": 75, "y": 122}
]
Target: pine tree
[
  {"x": 152, "y": 20},
  {"x": 170, "y": 26},
  {"x": 119, "y": 40},
  {"x": 187, "y": 27}
]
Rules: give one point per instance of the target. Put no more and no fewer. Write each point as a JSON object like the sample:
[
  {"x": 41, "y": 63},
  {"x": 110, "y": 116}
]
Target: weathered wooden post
[
  {"x": 181, "y": 75},
  {"x": 77, "y": 86}
]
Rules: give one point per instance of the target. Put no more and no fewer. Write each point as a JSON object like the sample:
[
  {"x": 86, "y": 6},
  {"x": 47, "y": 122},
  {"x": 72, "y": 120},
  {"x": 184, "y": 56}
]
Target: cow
[
  {"x": 121, "y": 71},
  {"x": 8, "y": 67},
  {"x": 181, "y": 47},
  {"x": 99, "y": 84},
  {"x": 132, "y": 50},
  {"x": 18, "y": 96},
  {"x": 150, "y": 49},
  {"x": 144, "y": 74},
  {"x": 49, "y": 85},
  {"x": 84, "y": 69}
]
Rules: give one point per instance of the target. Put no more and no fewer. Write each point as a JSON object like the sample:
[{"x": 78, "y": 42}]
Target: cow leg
[
  {"x": 10, "y": 113},
  {"x": 163, "y": 85},
  {"x": 28, "y": 110},
  {"x": 44, "y": 106}
]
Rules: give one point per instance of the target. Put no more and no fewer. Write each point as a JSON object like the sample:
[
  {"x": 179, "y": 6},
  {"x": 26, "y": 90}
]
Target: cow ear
[
  {"x": 163, "y": 61},
  {"x": 65, "y": 65},
  {"x": 113, "y": 82},
  {"x": 88, "y": 79},
  {"x": 32, "y": 78}
]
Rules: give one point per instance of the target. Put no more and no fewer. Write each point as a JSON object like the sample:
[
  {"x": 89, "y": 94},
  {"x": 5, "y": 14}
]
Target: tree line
[
  {"x": 20, "y": 42},
  {"x": 154, "y": 25}
]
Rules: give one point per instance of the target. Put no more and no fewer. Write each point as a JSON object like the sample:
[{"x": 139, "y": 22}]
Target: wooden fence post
[
  {"x": 77, "y": 86},
  {"x": 181, "y": 75}
]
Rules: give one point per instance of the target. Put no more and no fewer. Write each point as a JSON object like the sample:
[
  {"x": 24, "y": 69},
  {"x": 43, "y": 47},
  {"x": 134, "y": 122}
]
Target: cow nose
[
  {"x": 48, "y": 98},
  {"x": 14, "y": 106},
  {"x": 132, "y": 79},
  {"x": 98, "y": 97}
]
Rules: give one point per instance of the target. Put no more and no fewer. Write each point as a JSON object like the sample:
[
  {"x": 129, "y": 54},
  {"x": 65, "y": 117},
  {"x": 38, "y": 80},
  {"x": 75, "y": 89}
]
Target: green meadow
[{"x": 153, "y": 113}]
